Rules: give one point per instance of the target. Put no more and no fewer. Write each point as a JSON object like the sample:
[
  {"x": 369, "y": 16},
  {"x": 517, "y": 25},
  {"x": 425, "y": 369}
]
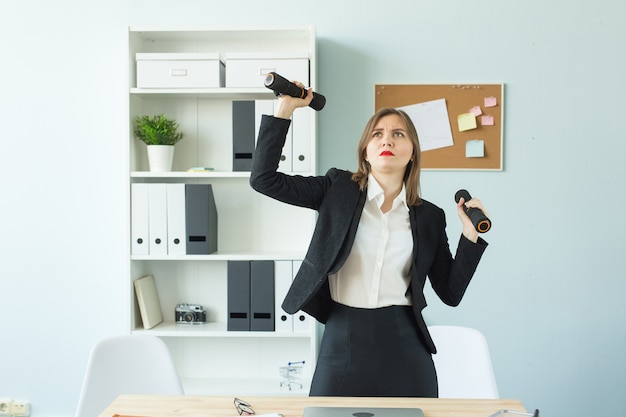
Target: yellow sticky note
[
  {"x": 474, "y": 148},
  {"x": 467, "y": 121}
]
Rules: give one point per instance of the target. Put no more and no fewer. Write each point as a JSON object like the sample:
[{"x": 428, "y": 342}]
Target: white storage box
[
  {"x": 179, "y": 70},
  {"x": 250, "y": 69}
]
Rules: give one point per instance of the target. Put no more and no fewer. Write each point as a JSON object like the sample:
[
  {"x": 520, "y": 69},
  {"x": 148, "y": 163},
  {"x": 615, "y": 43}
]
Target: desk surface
[{"x": 292, "y": 406}]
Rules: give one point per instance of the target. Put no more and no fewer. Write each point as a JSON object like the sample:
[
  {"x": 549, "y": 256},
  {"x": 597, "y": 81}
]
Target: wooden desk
[{"x": 292, "y": 406}]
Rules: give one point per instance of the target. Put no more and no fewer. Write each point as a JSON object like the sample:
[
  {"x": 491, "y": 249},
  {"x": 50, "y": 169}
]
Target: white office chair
[
  {"x": 463, "y": 363},
  {"x": 131, "y": 364}
]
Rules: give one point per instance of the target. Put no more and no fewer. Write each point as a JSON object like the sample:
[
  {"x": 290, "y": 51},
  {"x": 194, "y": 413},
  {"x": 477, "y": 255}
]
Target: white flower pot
[{"x": 160, "y": 157}]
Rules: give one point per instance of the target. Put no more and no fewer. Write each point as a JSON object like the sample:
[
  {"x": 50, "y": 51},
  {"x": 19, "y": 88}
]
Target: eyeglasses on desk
[
  {"x": 504, "y": 413},
  {"x": 243, "y": 408}
]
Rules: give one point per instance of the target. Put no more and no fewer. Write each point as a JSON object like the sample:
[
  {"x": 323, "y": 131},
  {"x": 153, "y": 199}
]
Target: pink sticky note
[
  {"x": 486, "y": 120},
  {"x": 476, "y": 110},
  {"x": 491, "y": 102}
]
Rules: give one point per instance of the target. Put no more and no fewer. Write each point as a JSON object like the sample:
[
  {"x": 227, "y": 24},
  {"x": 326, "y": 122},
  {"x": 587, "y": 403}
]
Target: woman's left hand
[{"x": 469, "y": 231}]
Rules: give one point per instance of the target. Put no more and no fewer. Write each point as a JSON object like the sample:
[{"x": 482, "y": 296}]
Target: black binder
[
  {"x": 244, "y": 134},
  {"x": 238, "y": 287},
  {"x": 200, "y": 219},
  {"x": 262, "y": 296}
]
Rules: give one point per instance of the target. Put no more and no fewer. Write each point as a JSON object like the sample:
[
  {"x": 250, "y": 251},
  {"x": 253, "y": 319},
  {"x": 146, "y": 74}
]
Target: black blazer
[{"x": 339, "y": 203}]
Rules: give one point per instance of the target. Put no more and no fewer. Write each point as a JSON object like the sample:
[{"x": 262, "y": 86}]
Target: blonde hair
[{"x": 412, "y": 173}]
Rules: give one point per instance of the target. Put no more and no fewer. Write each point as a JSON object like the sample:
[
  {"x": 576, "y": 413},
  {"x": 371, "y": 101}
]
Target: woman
[{"x": 374, "y": 243}]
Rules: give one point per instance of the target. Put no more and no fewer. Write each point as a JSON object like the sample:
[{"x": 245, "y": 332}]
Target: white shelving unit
[{"x": 210, "y": 359}]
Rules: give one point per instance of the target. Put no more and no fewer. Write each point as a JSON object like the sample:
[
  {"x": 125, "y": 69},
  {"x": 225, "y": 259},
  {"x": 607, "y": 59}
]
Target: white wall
[{"x": 549, "y": 292}]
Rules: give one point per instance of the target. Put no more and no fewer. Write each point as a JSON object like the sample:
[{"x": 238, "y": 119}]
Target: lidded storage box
[
  {"x": 249, "y": 70},
  {"x": 179, "y": 70}
]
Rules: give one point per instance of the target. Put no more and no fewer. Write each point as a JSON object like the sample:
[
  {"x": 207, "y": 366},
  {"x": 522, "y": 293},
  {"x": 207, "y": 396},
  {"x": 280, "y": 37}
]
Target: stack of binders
[
  {"x": 299, "y": 322},
  {"x": 247, "y": 116},
  {"x": 173, "y": 219},
  {"x": 256, "y": 290}
]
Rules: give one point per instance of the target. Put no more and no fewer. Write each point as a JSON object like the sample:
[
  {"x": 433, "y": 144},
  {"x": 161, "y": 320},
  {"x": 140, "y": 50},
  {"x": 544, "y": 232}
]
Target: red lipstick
[{"x": 386, "y": 153}]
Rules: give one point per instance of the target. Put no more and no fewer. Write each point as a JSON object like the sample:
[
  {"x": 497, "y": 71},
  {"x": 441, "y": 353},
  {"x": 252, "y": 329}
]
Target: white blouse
[{"x": 376, "y": 273}]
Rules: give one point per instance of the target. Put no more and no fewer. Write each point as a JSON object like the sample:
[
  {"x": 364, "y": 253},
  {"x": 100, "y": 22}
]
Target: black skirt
[{"x": 373, "y": 353}]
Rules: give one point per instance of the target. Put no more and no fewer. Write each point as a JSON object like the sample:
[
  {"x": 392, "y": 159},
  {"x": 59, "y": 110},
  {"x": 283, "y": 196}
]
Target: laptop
[{"x": 329, "y": 411}]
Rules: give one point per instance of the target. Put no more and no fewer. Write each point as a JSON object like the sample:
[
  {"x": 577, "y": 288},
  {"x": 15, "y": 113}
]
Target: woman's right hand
[{"x": 287, "y": 104}]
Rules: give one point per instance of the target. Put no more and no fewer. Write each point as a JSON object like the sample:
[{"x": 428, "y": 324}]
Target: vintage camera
[{"x": 190, "y": 314}]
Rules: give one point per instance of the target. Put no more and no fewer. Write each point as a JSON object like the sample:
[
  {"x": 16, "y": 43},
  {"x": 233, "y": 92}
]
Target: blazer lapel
[{"x": 346, "y": 237}]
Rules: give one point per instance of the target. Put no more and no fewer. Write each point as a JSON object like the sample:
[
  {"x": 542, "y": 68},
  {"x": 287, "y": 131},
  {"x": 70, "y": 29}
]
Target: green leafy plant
[{"x": 157, "y": 130}]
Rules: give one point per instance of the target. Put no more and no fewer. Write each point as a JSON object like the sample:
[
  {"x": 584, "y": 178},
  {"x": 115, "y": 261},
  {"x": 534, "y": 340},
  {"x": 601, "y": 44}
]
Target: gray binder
[
  {"x": 262, "y": 296},
  {"x": 238, "y": 297},
  {"x": 200, "y": 219},
  {"x": 244, "y": 134}
]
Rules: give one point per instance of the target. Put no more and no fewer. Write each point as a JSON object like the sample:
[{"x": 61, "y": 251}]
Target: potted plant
[{"x": 160, "y": 134}]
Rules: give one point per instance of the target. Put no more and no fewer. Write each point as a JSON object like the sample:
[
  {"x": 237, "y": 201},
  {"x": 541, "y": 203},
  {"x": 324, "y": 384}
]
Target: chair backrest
[
  {"x": 463, "y": 363},
  {"x": 130, "y": 364}
]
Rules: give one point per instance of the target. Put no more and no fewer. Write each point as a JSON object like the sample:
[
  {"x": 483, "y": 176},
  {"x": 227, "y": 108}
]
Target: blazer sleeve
[
  {"x": 298, "y": 190},
  {"x": 449, "y": 275}
]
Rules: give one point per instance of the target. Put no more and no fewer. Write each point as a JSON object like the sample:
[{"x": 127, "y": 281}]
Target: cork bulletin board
[{"x": 460, "y": 125}]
